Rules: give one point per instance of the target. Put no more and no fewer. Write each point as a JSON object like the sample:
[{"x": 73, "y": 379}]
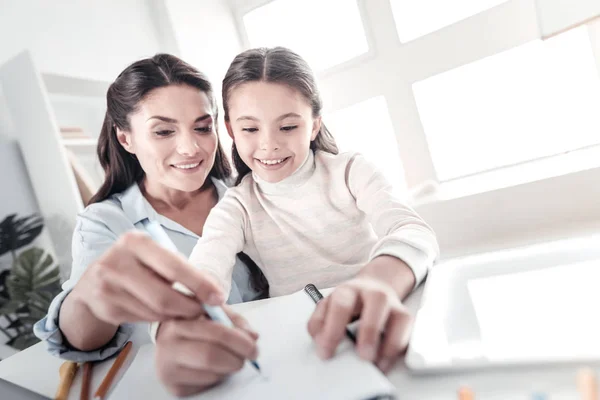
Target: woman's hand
[
  {"x": 132, "y": 282},
  {"x": 374, "y": 296},
  {"x": 195, "y": 354}
]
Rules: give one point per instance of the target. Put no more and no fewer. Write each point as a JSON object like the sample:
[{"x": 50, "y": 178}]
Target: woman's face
[{"x": 173, "y": 137}]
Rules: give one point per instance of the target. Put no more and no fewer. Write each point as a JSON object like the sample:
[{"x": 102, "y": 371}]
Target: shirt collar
[{"x": 137, "y": 208}]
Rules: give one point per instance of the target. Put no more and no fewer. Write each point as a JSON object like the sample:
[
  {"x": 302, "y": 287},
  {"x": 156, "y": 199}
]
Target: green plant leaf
[
  {"x": 17, "y": 323},
  {"x": 32, "y": 272},
  {"x": 18, "y": 232},
  {"x": 24, "y": 340},
  {"x": 11, "y": 307}
]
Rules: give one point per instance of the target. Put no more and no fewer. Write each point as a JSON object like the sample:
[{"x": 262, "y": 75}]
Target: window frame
[{"x": 472, "y": 222}]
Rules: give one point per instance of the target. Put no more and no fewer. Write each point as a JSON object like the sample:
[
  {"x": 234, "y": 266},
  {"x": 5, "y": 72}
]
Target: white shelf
[{"x": 79, "y": 142}]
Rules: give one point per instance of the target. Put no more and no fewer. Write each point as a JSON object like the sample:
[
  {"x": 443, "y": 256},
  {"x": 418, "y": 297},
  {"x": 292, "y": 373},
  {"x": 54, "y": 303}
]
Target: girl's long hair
[{"x": 276, "y": 65}]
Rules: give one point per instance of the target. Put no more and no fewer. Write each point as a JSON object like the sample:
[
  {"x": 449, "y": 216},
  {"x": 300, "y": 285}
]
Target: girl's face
[
  {"x": 272, "y": 126},
  {"x": 173, "y": 137}
]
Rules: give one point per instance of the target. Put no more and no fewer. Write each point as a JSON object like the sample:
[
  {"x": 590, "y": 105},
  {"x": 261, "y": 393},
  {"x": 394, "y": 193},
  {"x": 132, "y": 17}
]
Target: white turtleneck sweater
[{"x": 320, "y": 225}]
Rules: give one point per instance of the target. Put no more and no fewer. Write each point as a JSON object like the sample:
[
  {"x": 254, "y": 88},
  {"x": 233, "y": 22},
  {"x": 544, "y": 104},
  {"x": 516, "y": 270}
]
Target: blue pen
[{"x": 215, "y": 313}]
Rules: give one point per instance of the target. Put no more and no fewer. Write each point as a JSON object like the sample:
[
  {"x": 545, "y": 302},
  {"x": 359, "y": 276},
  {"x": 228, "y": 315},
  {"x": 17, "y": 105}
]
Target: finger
[
  {"x": 118, "y": 306},
  {"x": 397, "y": 334},
  {"x": 339, "y": 313},
  {"x": 188, "y": 390},
  {"x": 316, "y": 321},
  {"x": 240, "y": 322},
  {"x": 206, "y": 356},
  {"x": 157, "y": 294},
  {"x": 234, "y": 340},
  {"x": 375, "y": 313},
  {"x": 192, "y": 378},
  {"x": 172, "y": 267}
]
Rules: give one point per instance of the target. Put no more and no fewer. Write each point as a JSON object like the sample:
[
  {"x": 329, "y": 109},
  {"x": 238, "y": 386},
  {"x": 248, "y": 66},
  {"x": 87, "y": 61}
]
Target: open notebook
[{"x": 290, "y": 365}]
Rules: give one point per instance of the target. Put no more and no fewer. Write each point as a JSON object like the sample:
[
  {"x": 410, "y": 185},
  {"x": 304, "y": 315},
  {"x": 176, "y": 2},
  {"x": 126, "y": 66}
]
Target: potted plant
[{"x": 28, "y": 287}]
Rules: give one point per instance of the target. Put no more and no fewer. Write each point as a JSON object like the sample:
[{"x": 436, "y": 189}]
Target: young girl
[{"x": 306, "y": 214}]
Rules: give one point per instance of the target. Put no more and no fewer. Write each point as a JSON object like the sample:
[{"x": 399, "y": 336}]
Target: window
[
  {"x": 536, "y": 100},
  {"x": 366, "y": 127},
  {"x": 307, "y": 27},
  {"x": 416, "y": 18}
]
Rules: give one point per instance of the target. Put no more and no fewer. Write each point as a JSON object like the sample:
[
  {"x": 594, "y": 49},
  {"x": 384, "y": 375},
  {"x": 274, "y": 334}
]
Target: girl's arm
[
  {"x": 400, "y": 259},
  {"x": 223, "y": 236},
  {"x": 401, "y": 231}
]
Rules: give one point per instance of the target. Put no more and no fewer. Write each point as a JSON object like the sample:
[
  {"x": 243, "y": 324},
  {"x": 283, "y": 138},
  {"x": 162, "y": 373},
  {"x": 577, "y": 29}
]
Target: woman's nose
[{"x": 187, "y": 144}]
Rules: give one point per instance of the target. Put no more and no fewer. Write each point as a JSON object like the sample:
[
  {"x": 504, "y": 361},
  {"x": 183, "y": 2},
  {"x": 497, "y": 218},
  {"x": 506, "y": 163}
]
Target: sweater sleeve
[
  {"x": 222, "y": 238},
  {"x": 402, "y": 233}
]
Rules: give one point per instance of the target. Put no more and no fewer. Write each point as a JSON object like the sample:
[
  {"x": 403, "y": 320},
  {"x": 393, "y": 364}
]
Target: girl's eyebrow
[
  {"x": 284, "y": 116},
  {"x": 172, "y": 120}
]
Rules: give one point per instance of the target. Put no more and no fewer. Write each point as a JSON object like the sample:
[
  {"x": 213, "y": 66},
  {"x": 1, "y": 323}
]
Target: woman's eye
[
  {"x": 163, "y": 132},
  {"x": 289, "y": 128},
  {"x": 251, "y": 130},
  {"x": 204, "y": 129}
]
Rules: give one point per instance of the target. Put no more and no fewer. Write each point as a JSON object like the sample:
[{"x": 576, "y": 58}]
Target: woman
[{"x": 163, "y": 161}]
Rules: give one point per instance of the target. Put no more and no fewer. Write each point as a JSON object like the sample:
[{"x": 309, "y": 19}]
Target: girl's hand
[
  {"x": 378, "y": 305},
  {"x": 195, "y": 354}
]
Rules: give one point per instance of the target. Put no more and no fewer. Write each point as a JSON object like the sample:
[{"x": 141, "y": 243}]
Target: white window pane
[
  {"x": 537, "y": 100},
  {"x": 415, "y": 18},
  {"x": 306, "y": 27},
  {"x": 366, "y": 127}
]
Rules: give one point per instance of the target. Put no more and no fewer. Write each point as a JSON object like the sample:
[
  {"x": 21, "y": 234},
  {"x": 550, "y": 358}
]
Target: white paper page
[
  {"x": 546, "y": 314},
  {"x": 290, "y": 365}
]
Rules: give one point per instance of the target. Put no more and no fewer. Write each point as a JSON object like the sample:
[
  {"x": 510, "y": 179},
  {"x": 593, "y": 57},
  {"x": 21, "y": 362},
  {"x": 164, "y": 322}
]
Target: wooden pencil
[
  {"x": 587, "y": 384},
  {"x": 67, "y": 372},
  {"x": 114, "y": 369},
  {"x": 86, "y": 381}
]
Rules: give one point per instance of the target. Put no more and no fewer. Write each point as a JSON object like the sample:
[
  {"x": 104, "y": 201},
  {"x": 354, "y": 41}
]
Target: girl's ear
[
  {"x": 229, "y": 129},
  {"x": 124, "y": 139},
  {"x": 316, "y": 128}
]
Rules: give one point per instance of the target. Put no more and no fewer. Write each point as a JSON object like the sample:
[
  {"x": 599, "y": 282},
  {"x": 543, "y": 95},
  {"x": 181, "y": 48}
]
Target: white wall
[
  {"x": 206, "y": 34},
  {"x": 87, "y": 39},
  {"x": 208, "y": 39}
]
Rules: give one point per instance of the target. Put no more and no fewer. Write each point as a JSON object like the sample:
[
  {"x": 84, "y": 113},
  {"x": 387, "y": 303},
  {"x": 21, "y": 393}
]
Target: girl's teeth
[
  {"x": 187, "y": 166},
  {"x": 272, "y": 162}
]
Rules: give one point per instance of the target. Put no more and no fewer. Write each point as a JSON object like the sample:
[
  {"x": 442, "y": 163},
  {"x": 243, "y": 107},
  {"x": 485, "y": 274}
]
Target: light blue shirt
[{"x": 96, "y": 230}]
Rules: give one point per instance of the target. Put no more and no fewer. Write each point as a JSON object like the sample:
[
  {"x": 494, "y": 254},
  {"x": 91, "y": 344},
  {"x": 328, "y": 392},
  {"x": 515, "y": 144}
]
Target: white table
[{"x": 38, "y": 371}]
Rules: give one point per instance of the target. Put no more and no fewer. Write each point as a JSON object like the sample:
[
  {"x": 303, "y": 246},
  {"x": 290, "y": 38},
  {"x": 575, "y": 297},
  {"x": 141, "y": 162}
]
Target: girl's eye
[
  {"x": 163, "y": 133},
  {"x": 289, "y": 128},
  {"x": 204, "y": 129},
  {"x": 250, "y": 130}
]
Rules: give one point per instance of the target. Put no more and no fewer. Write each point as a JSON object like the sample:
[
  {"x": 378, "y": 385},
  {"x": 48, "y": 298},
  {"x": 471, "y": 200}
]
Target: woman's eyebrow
[{"x": 172, "y": 120}]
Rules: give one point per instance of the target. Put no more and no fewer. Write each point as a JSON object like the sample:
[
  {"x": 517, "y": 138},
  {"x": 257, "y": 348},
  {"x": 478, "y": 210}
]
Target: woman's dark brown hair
[
  {"x": 276, "y": 65},
  {"x": 124, "y": 95},
  {"x": 123, "y": 98}
]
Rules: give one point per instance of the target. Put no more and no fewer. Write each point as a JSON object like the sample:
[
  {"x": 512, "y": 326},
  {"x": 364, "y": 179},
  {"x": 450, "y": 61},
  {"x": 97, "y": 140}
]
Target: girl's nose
[{"x": 268, "y": 141}]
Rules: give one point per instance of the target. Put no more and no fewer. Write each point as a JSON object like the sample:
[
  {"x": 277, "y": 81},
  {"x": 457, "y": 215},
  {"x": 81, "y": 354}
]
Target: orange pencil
[
  {"x": 86, "y": 381},
  {"x": 587, "y": 384},
  {"x": 465, "y": 393},
  {"x": 105, "y": 385}
]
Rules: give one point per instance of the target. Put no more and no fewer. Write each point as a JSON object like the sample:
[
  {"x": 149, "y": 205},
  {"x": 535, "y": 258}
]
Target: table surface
[{"x": 36, "y": 370}]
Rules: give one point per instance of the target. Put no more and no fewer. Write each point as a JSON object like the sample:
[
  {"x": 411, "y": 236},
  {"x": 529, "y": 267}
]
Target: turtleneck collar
[{"x": 292, "y": 182}]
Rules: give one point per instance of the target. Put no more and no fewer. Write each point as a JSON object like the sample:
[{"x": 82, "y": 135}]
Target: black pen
[{"x": 314, "y": 294}]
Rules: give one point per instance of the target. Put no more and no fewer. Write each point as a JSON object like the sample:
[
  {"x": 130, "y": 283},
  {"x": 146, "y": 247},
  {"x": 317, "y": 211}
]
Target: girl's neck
[{"x": 168, "y": 199}]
